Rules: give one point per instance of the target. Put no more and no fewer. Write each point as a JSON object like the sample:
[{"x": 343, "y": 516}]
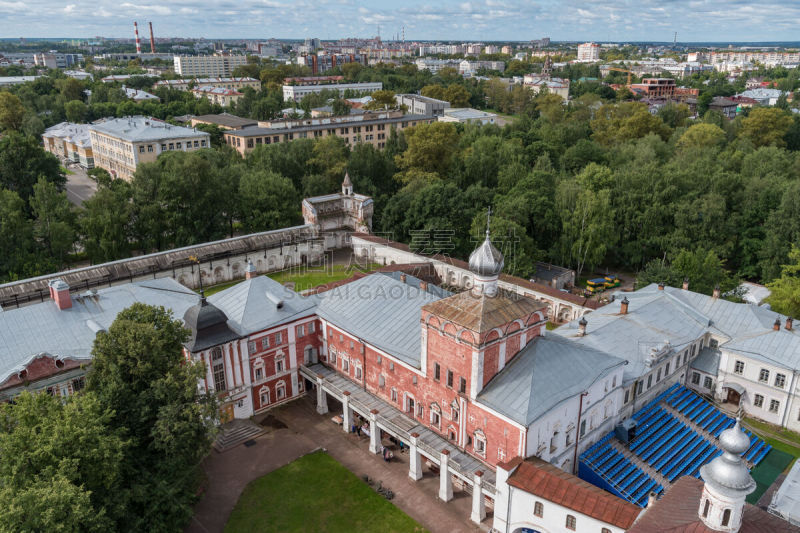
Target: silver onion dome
[
  {"x": 728, "y": 473},
  {"x": 486, "y": 260}
]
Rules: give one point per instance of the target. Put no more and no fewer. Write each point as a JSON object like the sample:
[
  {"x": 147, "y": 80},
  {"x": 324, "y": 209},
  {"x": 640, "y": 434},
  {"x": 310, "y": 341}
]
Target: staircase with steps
[
  {"x": 644, "y": 467},
  {"x": 236, "y": 432}
]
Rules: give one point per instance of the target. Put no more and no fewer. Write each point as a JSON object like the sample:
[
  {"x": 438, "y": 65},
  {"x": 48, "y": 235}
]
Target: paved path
[
  {"x": 80, "y": 187},
  {"x": 229, "y": 472}
]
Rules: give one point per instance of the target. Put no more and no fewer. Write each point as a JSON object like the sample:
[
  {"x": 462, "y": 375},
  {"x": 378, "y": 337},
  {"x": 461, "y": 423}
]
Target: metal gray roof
[
  {"x": 30, "y": 331},
  {"x": 549, "y": 370},
  {"x": 706, "y": 361},
  {"x": 382, "y": 311},
  {"x": 259, "y": 131},
  {"x": 253, "y": 305},
  {"x": 139, "y": 128},
  {"x": 673, "y": 315}
]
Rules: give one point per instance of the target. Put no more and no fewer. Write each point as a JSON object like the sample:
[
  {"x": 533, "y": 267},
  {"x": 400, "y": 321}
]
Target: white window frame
[
  {"x": 738, "y": 367},
  {"x": 774, "y": 406},
  {"x": 280, "y": 390},
  {"x": 262, "y": 392},
  {"x": 479, "y": 442},
  {"x": 280, "y": 364},
  {"x": 758, "y": 401}
]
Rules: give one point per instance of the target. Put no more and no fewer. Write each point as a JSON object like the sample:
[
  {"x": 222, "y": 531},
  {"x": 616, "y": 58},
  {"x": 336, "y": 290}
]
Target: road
[{"x": 80, "y": 187}]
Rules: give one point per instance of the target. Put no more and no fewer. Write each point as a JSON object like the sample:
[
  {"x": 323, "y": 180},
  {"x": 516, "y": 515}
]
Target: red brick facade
[{"x": 442, "y": 399}]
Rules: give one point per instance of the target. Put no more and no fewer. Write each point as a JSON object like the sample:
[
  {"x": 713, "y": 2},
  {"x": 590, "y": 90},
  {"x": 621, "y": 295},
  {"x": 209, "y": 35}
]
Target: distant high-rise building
[
  {"x": 208, "y": 66},
  {"x": 589, "y": 52}
]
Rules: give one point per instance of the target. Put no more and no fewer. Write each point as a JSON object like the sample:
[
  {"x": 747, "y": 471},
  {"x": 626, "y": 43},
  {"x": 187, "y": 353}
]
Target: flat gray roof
[
  {"x": 260, "y": 132},
  {"x": 139, "y": 128}
]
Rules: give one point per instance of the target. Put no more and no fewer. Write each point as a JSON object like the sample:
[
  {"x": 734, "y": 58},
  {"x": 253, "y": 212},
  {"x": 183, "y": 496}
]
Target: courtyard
[
  {"x": 300, "y": 432},
  {"x": 315, "y": 493}
]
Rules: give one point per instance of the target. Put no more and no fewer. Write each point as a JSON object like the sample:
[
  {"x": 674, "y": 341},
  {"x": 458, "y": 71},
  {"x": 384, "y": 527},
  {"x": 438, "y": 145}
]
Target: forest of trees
[{"x": 595, "y": 183}]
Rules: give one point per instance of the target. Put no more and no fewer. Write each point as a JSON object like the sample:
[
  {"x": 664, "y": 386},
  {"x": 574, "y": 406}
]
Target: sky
[{"x": 484, "y": 20}]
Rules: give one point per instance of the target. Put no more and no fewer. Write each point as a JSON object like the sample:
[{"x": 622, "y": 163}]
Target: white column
[
  {"x": 374, "y": 432},
  {"x": 478, "y": 503},
  {"x": 415, "y": 459},
  {"x": 445, "y": 480},
  {"x": 347, "y": 413},
  {"x": 322, "y": 399}
]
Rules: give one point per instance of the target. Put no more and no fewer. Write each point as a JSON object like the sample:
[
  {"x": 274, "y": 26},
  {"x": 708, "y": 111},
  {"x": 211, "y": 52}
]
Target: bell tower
[{"x": 727, "y": 483}]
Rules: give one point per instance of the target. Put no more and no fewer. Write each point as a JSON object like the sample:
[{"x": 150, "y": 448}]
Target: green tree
[
  {"x": 12, "y": 111},
  {"x": 629, "y": 120},
  {"x": 431, "y": 148},
  {"x": 268, "y": 201},
  {"x": 457, "y": 95},
  {"x": 433, "y": 91},
  {"x": 785, "y": 297},
  {"x": 59, "y": 465},
  {"x": 702, "y": 136},
  {"x": 75, "y": 111},
  {"x": 105, "y": 222},
  {"x": 587, "y": 220},
  {"x": 16, "y": 238},
  {"x": 140, "y": 374},
  {"x": 23, "y": 161},
  {"x": 382, "y": 100},
  {"x": 766, "y": 126},
  {"x": 54, "y": 222}
]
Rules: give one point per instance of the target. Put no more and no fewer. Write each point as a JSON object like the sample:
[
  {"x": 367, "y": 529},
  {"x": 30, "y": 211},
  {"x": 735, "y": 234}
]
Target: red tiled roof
[
  {"x": 677, "y": 512},
  {"x": 549, "y": 482},
  {"x": 538, "y": 287}
]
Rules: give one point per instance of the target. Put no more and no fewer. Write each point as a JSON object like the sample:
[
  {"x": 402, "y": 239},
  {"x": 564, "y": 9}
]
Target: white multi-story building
[
  {"x": 210, "y": 66},
  {"x": 297, "y": 92},
  {"x": 589, "y": 52}
]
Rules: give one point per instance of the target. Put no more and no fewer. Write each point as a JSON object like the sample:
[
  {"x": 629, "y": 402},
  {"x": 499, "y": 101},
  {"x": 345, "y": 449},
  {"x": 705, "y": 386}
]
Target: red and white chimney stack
[
  {"x": 138, "y": 42},
  {"x": 152, "y": 40}
]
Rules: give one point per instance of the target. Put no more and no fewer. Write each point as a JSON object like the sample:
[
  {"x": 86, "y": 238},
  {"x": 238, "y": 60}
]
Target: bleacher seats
[{"x": 667, "y": 443}]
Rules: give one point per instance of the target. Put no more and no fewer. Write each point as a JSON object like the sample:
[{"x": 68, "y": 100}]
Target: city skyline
[{"x": 613, "y": 20}]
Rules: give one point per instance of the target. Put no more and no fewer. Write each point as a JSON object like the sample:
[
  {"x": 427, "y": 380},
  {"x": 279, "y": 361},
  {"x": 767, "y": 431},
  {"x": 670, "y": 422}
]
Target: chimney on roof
[
  {"x": 250, "y": 271},
  {"x": 403, "y": 277},
  {"x": 423, "y": 285},
  {"x": 59, "y": 292},
  {"x": 777, "y": 325},
  {"x": 652, "y": 498},
  {"x": 789, "y": 321},
  {"x": 623, "y": 306},
  {"x": 716, "y": 292},
  {"x": 661, "y": 286},
  {"x": 686, "y": 284},
  {"x": 582, "y": 326}
]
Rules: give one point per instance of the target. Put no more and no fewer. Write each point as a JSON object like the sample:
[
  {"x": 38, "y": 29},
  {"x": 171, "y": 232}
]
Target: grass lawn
[
  {"x": 305, "y": 278},
  {"x": 66, "y": 171},
  {"x": 315, "y": 493}
]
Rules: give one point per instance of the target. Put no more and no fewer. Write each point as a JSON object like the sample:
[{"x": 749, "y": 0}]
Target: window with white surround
[
  {"x": 345, "y": 365},
  {"x": 479, "y": 442},
  {"x": 218, "y": 369},
  {"x": 278, "y": 338},
  {"x": 738, "y": 367},
  {"x": 774, "y": 405},
  {"x": 312, "y": 327},
  {"x": 538, "y": 509},
  {"x": 394, "y": 394},
  {"x": 571, "y": 522},
  {"x": 695, "y": 378},
  {"x": 421, "y": 411},
  {"x": 454, "y": 411},
  {"x": 763, "y": 376},
  {"x": 301, "y": 330},
  {"x": 780, "y": 380},
  {"x": 280, "y": 390},
  {"x": 259, "y": 373},
  {"x": 264, "y": 396},
  {"x": 707, "y": 382},
  {"x": 251, "y": 347},
  {"x": 279, "y": 364},
  {"x": 758, "y": 400},
  {"x": 436, "y": 417},
  {"x": 358, "y": 372}
]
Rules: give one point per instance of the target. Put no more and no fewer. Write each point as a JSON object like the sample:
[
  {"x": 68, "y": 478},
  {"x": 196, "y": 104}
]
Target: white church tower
[
  {"x": 727, "y": 483},
  {"x": 486, "y": 262}
]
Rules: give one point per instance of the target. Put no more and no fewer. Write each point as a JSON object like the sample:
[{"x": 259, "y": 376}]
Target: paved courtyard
[{"x": 229, "y": 472}]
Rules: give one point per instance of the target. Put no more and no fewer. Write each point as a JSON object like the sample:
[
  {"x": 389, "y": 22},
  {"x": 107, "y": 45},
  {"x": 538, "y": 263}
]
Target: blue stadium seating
[{"x": 666, "y": 443}]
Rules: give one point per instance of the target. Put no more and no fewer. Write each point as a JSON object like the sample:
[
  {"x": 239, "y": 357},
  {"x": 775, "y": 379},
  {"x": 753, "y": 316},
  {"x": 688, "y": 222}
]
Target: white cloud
[{"x": 69, "y": 8}]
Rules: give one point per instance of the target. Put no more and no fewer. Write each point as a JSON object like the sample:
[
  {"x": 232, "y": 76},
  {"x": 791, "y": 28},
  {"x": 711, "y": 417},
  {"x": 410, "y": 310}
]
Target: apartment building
[
  {"x": 372, "y": 128},
  {"x": 297, "y": 92},
  {"x": 422, "y": 105},
  {"x": 55, "y": 60},
  {"x": 221, "y": 65},
  {"x": 69, "y": 142},
  {"x": 217, "y": 95},
  {"x": 589, "y": 52},
  {"x": 119, "y": 145},
  {"x": 222, "y": 83}
]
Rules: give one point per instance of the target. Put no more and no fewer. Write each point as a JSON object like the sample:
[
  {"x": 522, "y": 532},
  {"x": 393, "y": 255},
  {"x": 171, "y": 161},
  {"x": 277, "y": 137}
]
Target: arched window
[
  {"x": 280, "y": 390},
  {"x": 605, "y": 530},
  {"x": 705, "y": 508},
  {"x": 218, "y": 369},
  {"x": 538, "y": 509},
  {"x": 264, "y": 396},
  {"x": 726, "y": 517},
  {"x": 570, "y": 524}
]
